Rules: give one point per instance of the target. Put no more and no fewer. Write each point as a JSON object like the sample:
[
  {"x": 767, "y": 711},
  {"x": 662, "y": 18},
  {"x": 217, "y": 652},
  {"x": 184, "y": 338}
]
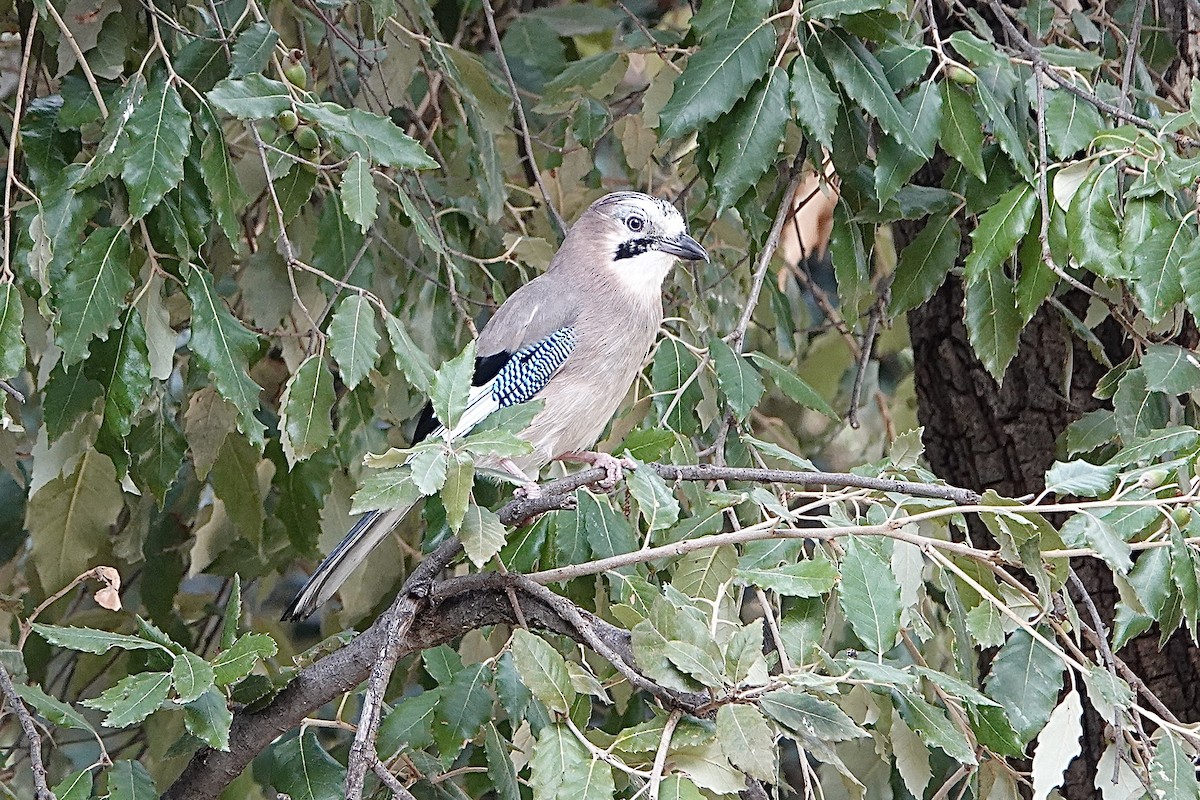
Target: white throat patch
[{"x": 643, "y": 274}]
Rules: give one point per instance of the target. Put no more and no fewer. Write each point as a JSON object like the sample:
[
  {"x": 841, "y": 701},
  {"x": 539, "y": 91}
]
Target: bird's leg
[
  {"x": 611, "y": 465},
  {"x": 529, "y": 488}
]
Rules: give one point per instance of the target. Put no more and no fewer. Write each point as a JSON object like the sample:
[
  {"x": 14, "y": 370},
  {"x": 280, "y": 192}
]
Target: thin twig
[
  {"x": 40, "y": 787},
  {"x": 83, "y": 64},
  {"x": 14, "y": 143},
  {"x": 660, "y": 757},
  {"x": 864, "y": 358},
  {"x": 391, "y": 781},
  {"x": 520, "y": 111},
  {"x": 1131, "y": 51}
]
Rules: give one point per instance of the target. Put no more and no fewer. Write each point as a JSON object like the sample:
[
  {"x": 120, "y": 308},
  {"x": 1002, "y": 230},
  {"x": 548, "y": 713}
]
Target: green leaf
[
  {"x": 792, "y": 385},
  {"x": 77, "y": 786},
  {"x": 993, "y": 321},
  {"x": 353, "y": 339},
  {"x": 160, "y": 133},
  {"x": 715, "y": 18},
  {"x": 870, "y": 595},
  {"x": 999, "y": 231},
  {"x": 232, "y": 619},
  {"x": 739, "y": 381},
  {"x": 809, "y": 578},
  {"x": 456, "y": 489},
  {"x": 90, "y": 640},
  {"x": 251, "y": 97},
  {"x": 411, "y": 359},
  {"x": 304, "y": 771},
  {"x": 452, "y": 387},
  {"x": 208, "y": 718},
  {"x": 305, "y": 426},
  {"x": 716, "y": 77},
  {"x": 224, "y": 187},
  {"x": 543, "y": 670},
  {"x": 236, "y": 662},
  {"x": 134, "y": 698},
  {"x": 749, "y": 143},
  {"x": 12, "y": 346},
  {"x": 861, "y": 76},
  {"x": 122, "y": 365},
  {"x": 393, "y": 488},
  {"x": 467, "y": 701},
  {"x": 1026, "y": 678},
  {"x": 1080, "y": 478},
  {"x": 695, "y": 661},
  {"x": 501, "y": 771},
  {"x": 801, "y": 713},
  {"x": 68, "y": 394},
  {"x": 252, "y": 50},
  {"x": 656, "y": 502},
  {"x": 562, "y": 769},
  {"x": 1171, "y": 369},
  {"x": 191, "y": 675},
  {"x": 1152, "y": 246},
  {"x": 961, "y": 129},
  {"x": 607, "y": 530},
  {"x": 91, "y": 296},
  {"x": 934, "y": 728},
  {"x": 129, "y": 780},
  {"x": 1092, "y": 430},
  {"x": 814, "y": 104},
  {"x": 359, "y": 197},
  {"x": 69, "y": 519},
  {"x": 56, "y": 711},
  {"x": 676, "y": 391},
  {"x": 747, "y": 741},
  {"x": 1168, "y": 440},
  {"x": 113, "y": 148},
  {"x": 223, "y": 348},
  {"x": 1092, "y": 227},
  {"x": 409, "y": 723},
  {"x": 482, "y": 534},
  {"x": 1071, "y": 122},
  {"x": 367, "y": 134},
  {"x": 924, "y": 264},
  {"x": 1172, "y": 771}
]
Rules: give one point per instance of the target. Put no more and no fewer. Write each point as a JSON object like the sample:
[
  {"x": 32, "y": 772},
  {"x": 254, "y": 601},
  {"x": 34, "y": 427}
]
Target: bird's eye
[{"x": 635, "y": 224}]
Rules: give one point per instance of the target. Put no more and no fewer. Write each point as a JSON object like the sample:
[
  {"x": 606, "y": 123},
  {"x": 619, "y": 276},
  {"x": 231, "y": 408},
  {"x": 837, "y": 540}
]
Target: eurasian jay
[{"x": 574, "y": 337}]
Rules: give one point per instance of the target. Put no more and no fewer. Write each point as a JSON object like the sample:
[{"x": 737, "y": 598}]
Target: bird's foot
[
  {"x": 611, "y": 465},
  {"x": 528, "y": 491}
]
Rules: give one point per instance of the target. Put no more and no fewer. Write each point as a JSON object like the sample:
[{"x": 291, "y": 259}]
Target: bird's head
[{"x": 640, "y": 237}]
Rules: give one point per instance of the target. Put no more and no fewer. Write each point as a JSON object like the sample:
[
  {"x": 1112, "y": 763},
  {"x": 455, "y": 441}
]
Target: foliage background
[{"x": 211, "y": 311}]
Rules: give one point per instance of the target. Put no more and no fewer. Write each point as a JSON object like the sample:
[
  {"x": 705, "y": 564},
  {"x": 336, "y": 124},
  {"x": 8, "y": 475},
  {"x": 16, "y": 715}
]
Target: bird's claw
[
  {"x": 528, "y": 491},
  {"x": 612, "y": 467}
]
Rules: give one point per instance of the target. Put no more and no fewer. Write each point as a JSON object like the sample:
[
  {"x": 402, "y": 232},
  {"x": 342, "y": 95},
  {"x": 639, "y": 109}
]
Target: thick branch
[{"x": 40, "y": 787}]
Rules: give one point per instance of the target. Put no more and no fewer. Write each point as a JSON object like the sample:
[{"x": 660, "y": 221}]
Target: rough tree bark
[{"x": 983, "y": 435}]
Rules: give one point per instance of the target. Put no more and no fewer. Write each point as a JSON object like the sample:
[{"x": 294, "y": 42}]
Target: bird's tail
[{"x": 343, "y": 560}]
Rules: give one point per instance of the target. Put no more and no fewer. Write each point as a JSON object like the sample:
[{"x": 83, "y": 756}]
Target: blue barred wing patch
[{"x": 531, "y": 367}]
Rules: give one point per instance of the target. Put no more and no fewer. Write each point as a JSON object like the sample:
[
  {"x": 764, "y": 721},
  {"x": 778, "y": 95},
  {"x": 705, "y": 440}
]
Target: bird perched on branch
[{"x": 574, "y": 338}]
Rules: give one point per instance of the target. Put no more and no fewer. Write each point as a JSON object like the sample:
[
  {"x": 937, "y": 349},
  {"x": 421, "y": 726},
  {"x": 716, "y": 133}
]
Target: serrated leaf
[
  {"x": 961, "y": 129},
  {"x": 68, "y": 394},
  {"x": 231, "y": 620},
  {"x": 224, "y": 187},
  {"x": 607, "y": 530},
  {"x": 809, "y": 716},
  {"x": 122, "y": 364},
  {"x": 999, "y": 231},
  {"x": 304, "y": 771},
  {"x": 360, "y": 200},
  {"x": 93, "y": 292},
  {"x": 739, "y": 381},
  {"x": 1092, "y": 227},
  {"x": 543, "y": 670},
  {"x": 12, "y": 345},
  {"x": 236, "y": 662},
  {"x": 208, "y": 718},
  {"x": 409, "y": 723},
  {"x": 1155, "y": 444},
  {"x": 467, "y": 701},
  {"x": 452, "y": 387},
  {"x": 676, "y": 392},
  {"x": 562, "y": 769},
  {"x": 252, "y": 49},
  {"x": 924, "y": 264},
  {"x": 1071, "y": 122},
  {"x": 1152, "y": 246},
  {"x": 191, "y": 675},
  {"x": 482, "y": 534},
  {"x": 223, "y": 347},
  {"x": 368, "y": 134},
  {"x": 716, "y": 77},
  {"x": 1057, "y": 745},
  {"x": 91, "y": 640},
  {"x": 56, "y": 711},
  {"x": 993, "y": 321},
  {"x": 77, "y": 786},
  {"x": 715, "y": 18},
  {"x": 411, "y": 359},
  {"x": 814, "y": 104},
  {"x": 870, "y": 595},
  {"x": 750, "y": 141},
  {"x": 354, "y": 339},
  {"x": 251, "y": 97},
  {"x": 393, "y": 488},
  {"x": 809, "y": 578},
  {"x": 934, "y": 728},
  {"x": 794, "y": 386},
  {"x": 69, "y": 518},
  {"x": 861, "y": 76},
  {"x": 656, "y": 502},
  {"x": 134, "y": 698},
  {"x": 129, "y": 780},
  {"x": 1026, "y": 678},
  {"x": 697, "y": 662},
  {"x": 1080, "y": 478},
  {"x": 747, "y": 741},
  {"x": 160, "y": 133},
  {"x": 1172, "y": 771},
  {"x": 305, "y": 426}
]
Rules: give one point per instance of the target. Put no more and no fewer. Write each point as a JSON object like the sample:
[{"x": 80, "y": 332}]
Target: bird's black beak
[{"x": 685, "y": 247}]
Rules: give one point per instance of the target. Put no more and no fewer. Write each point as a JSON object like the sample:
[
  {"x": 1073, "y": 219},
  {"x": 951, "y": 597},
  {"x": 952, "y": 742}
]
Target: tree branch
[{"x": 40, "y": 787}]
